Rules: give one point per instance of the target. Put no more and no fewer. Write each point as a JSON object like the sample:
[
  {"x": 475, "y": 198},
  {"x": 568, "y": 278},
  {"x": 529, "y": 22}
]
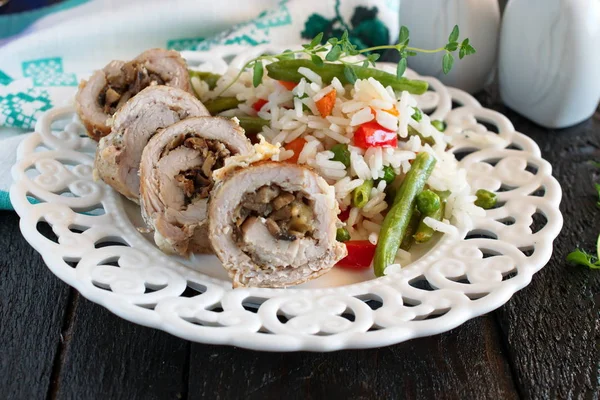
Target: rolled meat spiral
[
  {"x": 176, "y": 179},
  {"x": 110, "y": 88},
  {"x": 274, "y": 225},
  {"x": 154, "y": 108}
]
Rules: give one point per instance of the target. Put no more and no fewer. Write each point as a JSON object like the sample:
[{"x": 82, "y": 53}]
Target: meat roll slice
[
  {"x": 118, "y": 155},
  {"x": 176, "y": 179},
  {"x": 274, "y": 224},
  {"x": 109, "y": 89}
]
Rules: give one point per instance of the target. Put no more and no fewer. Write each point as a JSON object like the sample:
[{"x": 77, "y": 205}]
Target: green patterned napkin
[{"x": 38, "y": 73}]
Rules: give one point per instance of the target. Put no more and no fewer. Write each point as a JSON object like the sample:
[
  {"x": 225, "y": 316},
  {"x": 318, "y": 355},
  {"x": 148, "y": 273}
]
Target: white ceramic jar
[
  {"x": 430, "y": 23},
  {"x": 549, "y": 61}
]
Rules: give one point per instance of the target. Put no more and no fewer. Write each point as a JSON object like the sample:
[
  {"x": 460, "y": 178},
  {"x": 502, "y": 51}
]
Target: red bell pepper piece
[
  {"x": 371, "y": 134},
  {"x": 259, "y": 104},
  {"x": 344, "y": 215},
  {"x": 360, "y": 254}
]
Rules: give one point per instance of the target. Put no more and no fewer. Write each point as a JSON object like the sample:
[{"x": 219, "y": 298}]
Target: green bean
[
  {"x": 485, "y": 199},
  {"x": 220, "y": 104},
  {"x": 428, "y": 202},
  {"x": 411, "y": 229},
  {"x": 425, "y": 140},
  {"x": 439, "y": 125},
  {"x": 398, "y": 217},
  {"x": 253, "y": 124},
  {"x": 342, "y": 235},
  {"x": 360, "y": 196},
  {"x": 208, "y": 77},
  {"x": 287, "y": 70},
  {"x": 388, "y": 174},
  {"x": 424, "y": 233},
  {"x": 341, "y": 154}
]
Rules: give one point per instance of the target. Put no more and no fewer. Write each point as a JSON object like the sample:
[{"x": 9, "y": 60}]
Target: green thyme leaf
[
  {"x": 403, "y": 36},
  {"x": 401, "y": 68},
  {"x": 454, "y": 35},
  {"x": 350, "y": 74},
  {"x": 318, "y": 61},
  {"x": 461, "y": 53},
  {"x": 258, "y": 73},
  {"x": 470, "y": 50},
  {"x": 373, "y": 57},
  {"x": 317, "y": 40},
  {"x": 452, "y": 46},
  {"x": 447, "y": 63},
  {"x": 334, "y": 54},
  {"x": 595, "y": 163},
  {"x": 411, "y": 53},
  {"x": 286, "y": 55},
  {"x": 598, "y": 190}
]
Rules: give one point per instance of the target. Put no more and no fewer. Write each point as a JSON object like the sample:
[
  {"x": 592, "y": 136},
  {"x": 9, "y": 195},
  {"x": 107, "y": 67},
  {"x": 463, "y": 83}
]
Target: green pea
[
  {"x": 360, "y": 196},
  {"x": 418, "y": 114},
  {"x": 428, "y": 202},
  {"x": 341, "y": 154},
  {"x": 485, "y": 199},
  {"x": 388, "y": 174},
  {"x": 342, "y": 235},
  {"x": 424, "y": 232},
  {"x": 439, "y": 125}
]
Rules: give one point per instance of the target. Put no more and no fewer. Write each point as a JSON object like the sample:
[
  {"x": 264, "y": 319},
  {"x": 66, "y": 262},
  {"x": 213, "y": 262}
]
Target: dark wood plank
[
  {"x": 467, "y": 362},
  {"x": 552, "y": 327},
  {"x": 107, "y": 357},
  {"x": 32, "y": 308}
]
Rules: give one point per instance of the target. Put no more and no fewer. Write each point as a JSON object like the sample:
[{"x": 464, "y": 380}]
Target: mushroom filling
[
  {"x": 125, "y": 83},
  {"x": 197, "y": 182},
  {"x": 287, "y": 216}
]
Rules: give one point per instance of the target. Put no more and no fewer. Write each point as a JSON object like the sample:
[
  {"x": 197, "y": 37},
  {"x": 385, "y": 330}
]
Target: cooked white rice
[{"x": 294, "y": 114}]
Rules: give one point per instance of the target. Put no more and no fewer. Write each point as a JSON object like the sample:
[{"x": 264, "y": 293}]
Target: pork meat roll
[
  {"x": 176, "y": 179},
  {"x": 154, "y": 108},
  {"x": 110, "y": 88},
  {"x": 274, "y": 225}
]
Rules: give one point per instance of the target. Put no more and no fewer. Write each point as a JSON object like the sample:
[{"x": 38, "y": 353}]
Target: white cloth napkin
[{"x": 42, "y": 68}]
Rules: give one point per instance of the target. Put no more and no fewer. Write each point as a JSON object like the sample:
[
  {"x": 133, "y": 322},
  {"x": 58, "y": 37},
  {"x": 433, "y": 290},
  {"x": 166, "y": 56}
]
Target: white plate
[{"x": 458, "y": 278}]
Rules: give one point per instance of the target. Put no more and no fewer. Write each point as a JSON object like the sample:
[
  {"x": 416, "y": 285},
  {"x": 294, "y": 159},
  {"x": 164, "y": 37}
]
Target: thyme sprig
[{"x": 342, "y": 50}]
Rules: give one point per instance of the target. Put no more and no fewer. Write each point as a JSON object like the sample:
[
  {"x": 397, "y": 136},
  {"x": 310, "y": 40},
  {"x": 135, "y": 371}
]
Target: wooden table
[{"x": 544, "y": 343}]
